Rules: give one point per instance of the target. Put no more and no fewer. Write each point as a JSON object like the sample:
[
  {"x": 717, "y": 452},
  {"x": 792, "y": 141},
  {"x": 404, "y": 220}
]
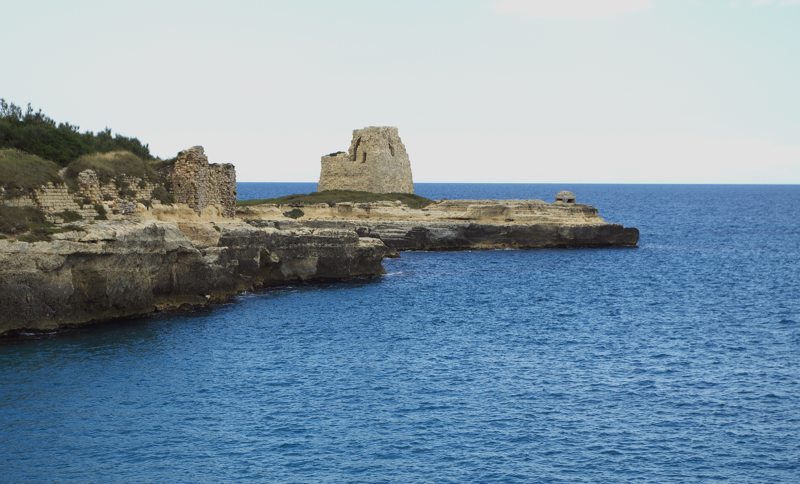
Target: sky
[{"x": 534, "y": 91}]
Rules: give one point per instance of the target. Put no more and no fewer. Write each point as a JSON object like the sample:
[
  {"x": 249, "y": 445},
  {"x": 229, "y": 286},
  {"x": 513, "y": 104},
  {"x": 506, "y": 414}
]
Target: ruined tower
[
  {"x": 376, "y": 162},
  {"x": 199, "y": 184}
]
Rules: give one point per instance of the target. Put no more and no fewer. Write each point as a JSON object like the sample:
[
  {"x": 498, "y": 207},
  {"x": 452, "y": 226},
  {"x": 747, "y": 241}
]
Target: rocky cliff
[
  {"x": 460, "y": 224},
  {"x": 103, "y": 270},
  {"x": 116, "y": 269}
]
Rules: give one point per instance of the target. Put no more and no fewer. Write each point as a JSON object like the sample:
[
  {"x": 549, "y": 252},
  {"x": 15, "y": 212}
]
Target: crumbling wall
[
  {"x": 119, "y": 196},
  {"x": 376, "y": 162},
  {"x": 54, "y": 200},
  {"x": 190, "y": 180},
  {"x": 222, "y": 187},
  {"x": 198, "y": 184}
]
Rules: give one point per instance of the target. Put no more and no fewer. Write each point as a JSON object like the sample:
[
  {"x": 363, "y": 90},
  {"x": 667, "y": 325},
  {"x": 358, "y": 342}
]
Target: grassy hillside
[
  {"x": 332, "y": 197},
  {"x": 112, "y": 164},
  {"x": 21, "y": 172}
]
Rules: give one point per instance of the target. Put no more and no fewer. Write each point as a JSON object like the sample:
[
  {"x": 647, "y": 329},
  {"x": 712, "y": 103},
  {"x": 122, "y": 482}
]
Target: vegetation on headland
[
  {"x": 294, "y": 213},
  {"x": 113, "y": 164},
  {"x": 332, "y": 197},
  {"x": 21, "y": 172},
  {"x": 28, "y": 224},
  {"x": 35, "y": 150},
  {"x": 36, "y": 133}
]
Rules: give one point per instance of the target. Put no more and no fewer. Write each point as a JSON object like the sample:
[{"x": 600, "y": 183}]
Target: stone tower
[
  {"x": 376, "y": 162},
  {"x": 199, "y": 184}
]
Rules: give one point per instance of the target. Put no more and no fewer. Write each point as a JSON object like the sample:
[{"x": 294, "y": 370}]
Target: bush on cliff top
[
  {"x": 332, "y": 197},
  {"x": 17, "y": 220},
  {"x": 112, "y": 165},
  {"x": 21, "y": 172},
  {"x": 34, "y": 132},
  {"x": 28, "y": 224}
]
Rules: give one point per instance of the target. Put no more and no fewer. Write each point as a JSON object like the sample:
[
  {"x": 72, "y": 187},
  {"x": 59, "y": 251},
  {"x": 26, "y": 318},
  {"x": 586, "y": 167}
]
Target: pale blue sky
[{"x": 658, "y": 91}]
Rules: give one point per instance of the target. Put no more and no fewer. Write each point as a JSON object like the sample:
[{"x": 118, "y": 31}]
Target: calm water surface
[{"x": 677, "y": 361}]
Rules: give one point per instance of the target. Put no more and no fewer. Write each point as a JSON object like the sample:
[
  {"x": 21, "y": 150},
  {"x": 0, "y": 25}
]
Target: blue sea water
[{"x": 676, "y": 361}]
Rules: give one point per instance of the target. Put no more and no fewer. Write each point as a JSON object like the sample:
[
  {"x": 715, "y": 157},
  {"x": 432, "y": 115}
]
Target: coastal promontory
[{"x": 113, "y": 233}]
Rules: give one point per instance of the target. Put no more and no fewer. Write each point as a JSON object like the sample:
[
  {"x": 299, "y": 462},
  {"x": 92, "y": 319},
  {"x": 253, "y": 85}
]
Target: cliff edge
[
  {"x": 457, "y": 224},
  {"x": 125, "y": 268}
]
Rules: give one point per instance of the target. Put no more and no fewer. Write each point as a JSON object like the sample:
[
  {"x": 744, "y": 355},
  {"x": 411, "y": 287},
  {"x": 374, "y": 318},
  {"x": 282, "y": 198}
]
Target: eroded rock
[{"x": 119, "y": 269}]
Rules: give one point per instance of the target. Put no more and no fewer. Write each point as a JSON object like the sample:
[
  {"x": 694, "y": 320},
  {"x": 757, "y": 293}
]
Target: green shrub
[
  {"x": 332, "y": 197},
  {"x": 124, "y": 189},
  {"x": 294, "y": 213},
  {"x": 69, "y": 216},
  {"x": 16, "y": 220},
  {"x": 28, "y": 224},
  {"x": 21, "y": 172},
  {"x": 163, "y": 195},
  {"x": 44, "y": 231},
  {"x": 101, "y": 211},
  {"x": 38, "y": 233},
  {"x": 34, "y": 132}
]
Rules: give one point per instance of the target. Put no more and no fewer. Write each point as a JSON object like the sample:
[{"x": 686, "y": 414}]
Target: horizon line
[{"x": 566, "y": 183}]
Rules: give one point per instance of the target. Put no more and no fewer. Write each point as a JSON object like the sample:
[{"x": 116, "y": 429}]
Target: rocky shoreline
[
  {"x": 112, "y": 235},
  {"x": 458, "y": 224},
  {"x": 171, "y": 259},
  {"x": 121, "y": 269}
]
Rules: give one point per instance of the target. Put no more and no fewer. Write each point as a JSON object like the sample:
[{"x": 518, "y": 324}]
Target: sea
[{"x": 677, "y": 361}]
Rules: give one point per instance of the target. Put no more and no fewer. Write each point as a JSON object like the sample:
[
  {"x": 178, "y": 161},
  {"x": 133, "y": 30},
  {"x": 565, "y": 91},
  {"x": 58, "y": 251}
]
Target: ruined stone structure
[
  {"x": 54, "y": 200},
  {"x": 199, "y": 184},
  {"x": 190, "y": 180},
  {"x": 376, "y": 162},
  {"x": 565, "y": 197}
]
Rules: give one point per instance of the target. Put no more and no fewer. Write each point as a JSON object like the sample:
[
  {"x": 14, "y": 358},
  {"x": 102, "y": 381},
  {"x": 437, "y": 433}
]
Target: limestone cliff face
[
  {"x": 376, "y": 162},
  {"x": 462, "y": 236},
  {"x": 121, "y": 269},
  {"x": 463, "y": 224}
]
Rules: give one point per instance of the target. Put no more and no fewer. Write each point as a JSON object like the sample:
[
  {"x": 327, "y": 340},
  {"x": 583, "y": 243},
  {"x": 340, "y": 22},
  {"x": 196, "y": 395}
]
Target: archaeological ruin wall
[
  {"x": 198, "y": 184},
  {"x": 376, "y": 162},
  {"x": 191, "y": 180}
]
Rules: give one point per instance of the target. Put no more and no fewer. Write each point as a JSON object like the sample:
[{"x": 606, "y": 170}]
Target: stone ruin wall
[
  {"x": 54, "y": 199},
  {"x": 222, "y": 188},
  {"x": 191, "y": 180},
  {"x": 198, "y": 184},
  {"x": 189, "y": 174},
  {"x": 376, "y": 162}
]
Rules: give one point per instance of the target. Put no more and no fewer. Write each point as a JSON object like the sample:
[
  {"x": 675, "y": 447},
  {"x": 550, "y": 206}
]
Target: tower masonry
[{"x": 376, "y": 162}]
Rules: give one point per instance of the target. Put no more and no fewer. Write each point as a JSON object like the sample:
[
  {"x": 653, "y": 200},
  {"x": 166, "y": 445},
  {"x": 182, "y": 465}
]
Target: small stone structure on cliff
[
  {"x": 199, "y": 184},
  {"x": 565, "y": 197},
  {"x": 376, "y": 162}
]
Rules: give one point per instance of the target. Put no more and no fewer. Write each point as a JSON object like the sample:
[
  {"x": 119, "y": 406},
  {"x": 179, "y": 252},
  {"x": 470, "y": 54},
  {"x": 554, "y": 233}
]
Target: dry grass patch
[{"x": 22, "y": 172}]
